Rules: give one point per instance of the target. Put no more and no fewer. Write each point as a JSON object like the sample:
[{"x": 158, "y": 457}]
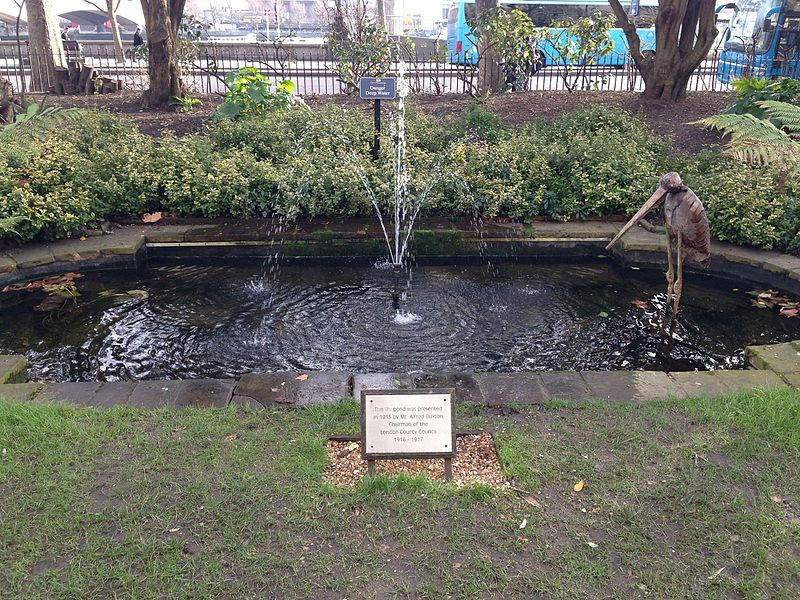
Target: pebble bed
[{"x": 476, "y": 461}]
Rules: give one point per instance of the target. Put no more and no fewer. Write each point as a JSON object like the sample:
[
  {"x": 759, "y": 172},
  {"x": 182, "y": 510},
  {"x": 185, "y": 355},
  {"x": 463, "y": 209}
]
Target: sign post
[
  {"x": 408, "y": 424},
  {"x": 377, "y": 89},
  {"x": 634, "y": 8}
]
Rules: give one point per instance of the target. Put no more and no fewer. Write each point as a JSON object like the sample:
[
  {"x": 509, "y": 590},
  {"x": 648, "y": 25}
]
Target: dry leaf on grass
[
  {"x": 532, "y": 501},
  {"x": 302, "y": 377},
  {"x": 579, "y": 486},
  {"x": 231, "y": 437}
]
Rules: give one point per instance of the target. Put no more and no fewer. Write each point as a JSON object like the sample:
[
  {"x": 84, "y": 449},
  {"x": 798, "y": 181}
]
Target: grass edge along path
[{"x": 691, "y": 498}]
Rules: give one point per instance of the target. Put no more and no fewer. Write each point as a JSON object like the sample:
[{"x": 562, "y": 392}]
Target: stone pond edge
[{"x": 775, "y": 366}]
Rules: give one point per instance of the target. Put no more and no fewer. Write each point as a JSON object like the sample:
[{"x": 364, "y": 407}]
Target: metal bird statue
[{"x": 687, "y": 230}]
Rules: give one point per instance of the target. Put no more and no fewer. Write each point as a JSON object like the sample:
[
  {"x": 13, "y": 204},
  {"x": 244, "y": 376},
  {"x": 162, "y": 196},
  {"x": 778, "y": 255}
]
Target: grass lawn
[{"x": 682, "y": 499}]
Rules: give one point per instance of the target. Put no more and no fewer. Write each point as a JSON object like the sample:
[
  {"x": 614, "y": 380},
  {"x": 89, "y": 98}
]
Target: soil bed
[{"x": 514, "y": 109}]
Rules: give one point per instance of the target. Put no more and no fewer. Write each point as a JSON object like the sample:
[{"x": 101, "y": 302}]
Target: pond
[{"x": 199, "y": 321}]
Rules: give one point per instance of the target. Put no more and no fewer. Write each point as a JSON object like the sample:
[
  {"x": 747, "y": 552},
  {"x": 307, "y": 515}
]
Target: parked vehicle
[
  {"x": 763, "y": 40},
  {"x": 461, "y": 42}
]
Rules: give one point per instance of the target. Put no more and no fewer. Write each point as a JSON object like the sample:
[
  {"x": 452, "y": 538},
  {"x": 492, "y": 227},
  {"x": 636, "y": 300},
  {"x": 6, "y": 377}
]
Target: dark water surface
[{"x": 211, "y": 321}]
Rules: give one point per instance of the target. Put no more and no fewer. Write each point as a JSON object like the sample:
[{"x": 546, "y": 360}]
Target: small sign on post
[
  {"x": 634, "y": 8},
  {"x": 377, "y": 89},
  {"x": 408, "y": 424}
]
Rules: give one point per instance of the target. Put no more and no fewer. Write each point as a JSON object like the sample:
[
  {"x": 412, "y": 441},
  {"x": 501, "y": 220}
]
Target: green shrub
[
  {"x": 744, "y": 204},
  {"x": 593, "y": 161}
]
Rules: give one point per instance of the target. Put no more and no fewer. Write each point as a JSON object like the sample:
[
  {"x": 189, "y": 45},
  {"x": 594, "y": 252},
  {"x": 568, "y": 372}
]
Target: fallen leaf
[
  {"x": 231, "y": 437},
  {"x": 174, "y": 529},
  {"x": 523, "y": 524},
  {"x": 579, "y": 486},
  {"x": 532, "y": 501},
  {"x": 302, "y": 377},
  {"x": 151, "y": 217},
  {"x": 777, "y": 499},
  {"x": 640, "y": 303},
  {"x": 716, "y": 574},
  {"x": 592, "y": 545},
  {"x": 735, "y": 537},
  {"x": 603, "y": 314},
  {"x": 82, "y": 238}
]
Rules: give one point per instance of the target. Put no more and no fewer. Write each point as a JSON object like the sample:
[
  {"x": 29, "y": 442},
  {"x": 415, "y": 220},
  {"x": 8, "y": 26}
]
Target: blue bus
[
  {"x": 763, "y": 40},
  {"x": 461, "y": 41}
]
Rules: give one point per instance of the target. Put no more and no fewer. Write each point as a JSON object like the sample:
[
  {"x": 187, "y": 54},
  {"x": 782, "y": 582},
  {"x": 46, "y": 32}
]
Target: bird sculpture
[{"x": 687, "y": 230}]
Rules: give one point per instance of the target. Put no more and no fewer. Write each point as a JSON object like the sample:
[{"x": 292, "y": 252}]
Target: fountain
[{"x": 398, "y": 224}]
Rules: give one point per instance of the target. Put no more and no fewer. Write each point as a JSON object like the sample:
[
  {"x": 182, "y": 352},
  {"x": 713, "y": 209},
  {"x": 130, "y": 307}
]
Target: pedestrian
[
  {"x": 65, "y": 34},
  {"x": 137, "y": 38}
]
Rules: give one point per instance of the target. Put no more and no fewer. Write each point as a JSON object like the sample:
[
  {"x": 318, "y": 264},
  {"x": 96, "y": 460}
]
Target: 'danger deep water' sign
[{"x": 407, "y": 423}]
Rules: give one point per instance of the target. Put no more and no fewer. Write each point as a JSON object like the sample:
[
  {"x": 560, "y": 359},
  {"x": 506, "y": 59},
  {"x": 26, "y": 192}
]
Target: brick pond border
[{"x": 439, "y": 240}]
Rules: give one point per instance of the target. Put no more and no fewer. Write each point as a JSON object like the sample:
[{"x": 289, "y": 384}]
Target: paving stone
[
  {"x": 700, "y": 383},
  {"x": 73, "y": 250},
  {"x": 381, "y": 381},
  {"x": 652, "y": 385},
  {"x": 268, "y": 388},
  {"x": 113, "y": 393},
  {"x": 782, "y": 263},
  {"x": 739, "y": 254},
  {"x": 565, "y": 385},
  {"x": 12, "y": 368},
  {"x": 73, "y": 393},
  {"x": 19, "y": 392},
  {"x": 511, "y": 388},
  {"x": 245, "y": 401},
  {"x": 639, "y": 239},
  {"x": 32, "y": 255},
  {"x": 793, "y": 379},
  {"x": 7, "y": 264},
  {"x": 154, "y": 394},
  {"x": 781, "y": 358},
  {"x": 735, "y": 381},
  {"x": 466, "y": 388},
  {"x": 322, "y": 387},
  {"x": 204, "y": 393}
]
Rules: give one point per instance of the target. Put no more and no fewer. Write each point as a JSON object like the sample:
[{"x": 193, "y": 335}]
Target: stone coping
[
  {"x": 776, "y": 366},
  {"x": 131, "y": 246}
]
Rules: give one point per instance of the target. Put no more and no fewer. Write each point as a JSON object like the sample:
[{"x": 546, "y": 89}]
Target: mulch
[
  {"x": 476, "y": 461},
  {"x": 514, "y": 109}
]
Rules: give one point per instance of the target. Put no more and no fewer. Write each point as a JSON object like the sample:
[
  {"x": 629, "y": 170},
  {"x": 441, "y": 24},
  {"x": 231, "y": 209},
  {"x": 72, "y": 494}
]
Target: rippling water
[{"x": 201, "y": 321}]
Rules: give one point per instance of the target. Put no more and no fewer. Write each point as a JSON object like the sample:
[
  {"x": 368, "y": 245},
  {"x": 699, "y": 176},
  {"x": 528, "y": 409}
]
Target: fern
[
  {"x": 761, "y": 141},
  {"x": 38, "y": 118},
  {"x": 7, "y": 224},
  {"x": 787, "y": 115}
]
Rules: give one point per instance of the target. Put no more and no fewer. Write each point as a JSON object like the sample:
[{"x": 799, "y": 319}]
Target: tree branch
[
  {"x": 706, "y": 32},
  {"x": 634, "y": 43}
]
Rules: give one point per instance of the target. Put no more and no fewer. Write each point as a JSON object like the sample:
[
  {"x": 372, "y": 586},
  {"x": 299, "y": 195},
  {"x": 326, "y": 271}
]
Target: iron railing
[{"x": 317, "y": 72}]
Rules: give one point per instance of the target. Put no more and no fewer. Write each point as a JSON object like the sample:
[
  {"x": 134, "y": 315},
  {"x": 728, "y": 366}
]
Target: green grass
[{"x": 695, "y": 498}]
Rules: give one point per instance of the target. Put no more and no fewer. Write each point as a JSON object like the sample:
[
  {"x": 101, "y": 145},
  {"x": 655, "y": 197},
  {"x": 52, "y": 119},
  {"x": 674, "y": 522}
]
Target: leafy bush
[
  {"x": 593, "y": 161},
  {"x": 250, "y": 94},
  {"x": 751, "y": 90}
]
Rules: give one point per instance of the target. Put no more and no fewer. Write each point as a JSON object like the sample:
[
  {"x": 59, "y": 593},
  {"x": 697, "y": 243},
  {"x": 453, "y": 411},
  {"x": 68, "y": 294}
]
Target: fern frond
[
  {"x": 759, "y": 152},
  {"x": 39, "y": 118},
  {"x": 7, "y": 224},
  {"x": 746, "y": 126},
  {"x": 787, "y": 115}
]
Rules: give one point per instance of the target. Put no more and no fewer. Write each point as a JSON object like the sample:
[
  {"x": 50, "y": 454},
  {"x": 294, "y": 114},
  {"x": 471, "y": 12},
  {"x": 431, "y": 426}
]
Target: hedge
[{"x": 592, "y": 162}]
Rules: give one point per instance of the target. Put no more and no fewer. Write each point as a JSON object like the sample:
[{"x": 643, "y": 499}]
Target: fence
[{"x": 318, "y": 73}]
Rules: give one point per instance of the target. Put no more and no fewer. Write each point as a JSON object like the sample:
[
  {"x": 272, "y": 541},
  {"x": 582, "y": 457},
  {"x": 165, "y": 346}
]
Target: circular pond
[{"x": 212, "y": 321}]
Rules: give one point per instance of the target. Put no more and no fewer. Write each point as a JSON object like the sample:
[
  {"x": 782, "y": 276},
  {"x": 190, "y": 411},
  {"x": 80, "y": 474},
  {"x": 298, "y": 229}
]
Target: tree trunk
[
  {"x": 6, "y": 102},
  {"x": 162, "y": 19},
  {"x": 119, "y": 53},
  {"x": 685, "y": 31},
  {"x": 490, "y": 78},
  {"x": 46, "y": 51},
  {"x": 380, "y": 14}
]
